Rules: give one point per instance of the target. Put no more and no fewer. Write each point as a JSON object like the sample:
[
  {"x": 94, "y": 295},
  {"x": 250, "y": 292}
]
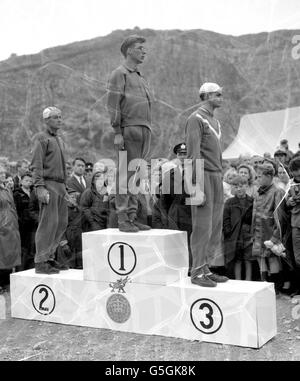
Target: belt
[{"x": 54, "y": 178}]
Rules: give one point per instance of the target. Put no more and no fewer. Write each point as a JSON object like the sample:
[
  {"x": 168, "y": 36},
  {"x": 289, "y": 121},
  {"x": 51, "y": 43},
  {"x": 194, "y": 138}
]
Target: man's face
[
  {"x": 54, "y": 121},
  {"x": 244, "y": 173},
  {"x": 79, "y": 168},
  {"x": 137, "y": 52},
  {"x": 282, "y": 175},
  {"x": 263, "y": 180},
  {"x": 215, "y": 99},
  {"x": 26, "y": 182},
  {"x": 2, "y": 175},
  {"x": 296, "y": 175},
  {"x": 239, "y": 190},
  {"x": 9, "y": 182},
  {"x": 280, "y": 159},
  {"x": 181, "y": 156},
  {"x": 23, "y": 169}
]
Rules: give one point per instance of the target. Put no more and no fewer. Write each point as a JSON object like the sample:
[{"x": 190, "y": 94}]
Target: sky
[{"x": 29, "y": 26}]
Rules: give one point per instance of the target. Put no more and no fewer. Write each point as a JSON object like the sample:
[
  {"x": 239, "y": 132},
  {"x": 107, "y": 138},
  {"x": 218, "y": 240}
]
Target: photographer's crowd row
[{"x": 261, "y": 220}]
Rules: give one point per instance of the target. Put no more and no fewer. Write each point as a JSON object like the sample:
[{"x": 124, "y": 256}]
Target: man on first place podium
[
  {"x": 129, "y": 106},
  {"x": 203, "y": 134}
]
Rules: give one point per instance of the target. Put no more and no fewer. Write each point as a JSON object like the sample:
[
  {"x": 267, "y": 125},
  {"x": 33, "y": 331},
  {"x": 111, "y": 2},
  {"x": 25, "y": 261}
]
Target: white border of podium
[{"x": 236, "y": 312}]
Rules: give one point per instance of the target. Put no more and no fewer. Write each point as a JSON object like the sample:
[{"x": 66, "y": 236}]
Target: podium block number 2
[
  {"x": 121, "y": 258},
  {"x": 43, "y": 299},
  {"x": 206, "y": 316}
]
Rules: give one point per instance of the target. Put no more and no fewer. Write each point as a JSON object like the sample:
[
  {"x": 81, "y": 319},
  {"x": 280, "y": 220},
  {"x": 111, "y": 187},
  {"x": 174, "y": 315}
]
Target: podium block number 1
[{"x": 121, "y": 258}]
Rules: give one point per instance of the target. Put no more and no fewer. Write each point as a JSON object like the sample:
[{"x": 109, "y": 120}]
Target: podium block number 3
[
  {"x": 43, "y": 299},
  {"x": 206, "y": 316},
  {"x": 121, "y": 258}
]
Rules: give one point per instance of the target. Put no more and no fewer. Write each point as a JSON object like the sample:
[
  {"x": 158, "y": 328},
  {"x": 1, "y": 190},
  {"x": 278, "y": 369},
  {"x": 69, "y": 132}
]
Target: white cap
[
  {"x": 49, "y": 111},
  {"x": 209, "y": 87}
]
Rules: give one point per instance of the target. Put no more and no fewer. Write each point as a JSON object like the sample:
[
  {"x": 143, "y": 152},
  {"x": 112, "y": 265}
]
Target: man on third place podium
[
  {"x": 203, "y": 134},
  {"x": 129, "y": 106}
]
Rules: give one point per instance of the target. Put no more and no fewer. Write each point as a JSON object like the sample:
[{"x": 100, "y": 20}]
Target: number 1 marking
[{"x": 122, "y": 268}]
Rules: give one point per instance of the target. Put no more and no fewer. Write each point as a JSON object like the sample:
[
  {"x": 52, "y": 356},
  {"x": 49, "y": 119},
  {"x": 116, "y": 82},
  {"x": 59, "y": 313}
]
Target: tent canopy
[{"x": 262, "y": 132}]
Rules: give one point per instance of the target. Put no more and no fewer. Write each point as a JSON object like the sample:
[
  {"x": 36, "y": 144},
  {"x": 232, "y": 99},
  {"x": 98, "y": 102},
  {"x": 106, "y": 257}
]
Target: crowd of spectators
[{"x": 261, "y": 227}]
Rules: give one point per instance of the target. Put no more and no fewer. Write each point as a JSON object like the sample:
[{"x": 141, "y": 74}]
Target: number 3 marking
[{"x": 208, "y": 315}]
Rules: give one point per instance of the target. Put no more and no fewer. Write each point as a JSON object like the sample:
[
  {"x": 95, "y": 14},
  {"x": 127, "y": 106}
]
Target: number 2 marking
[{"x": 41, "y": 308}]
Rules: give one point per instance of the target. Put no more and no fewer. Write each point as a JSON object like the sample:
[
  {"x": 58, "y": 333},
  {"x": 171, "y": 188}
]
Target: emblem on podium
[
  {"x": 118, "y": 308},
  {"x": 119, "y": 285}
]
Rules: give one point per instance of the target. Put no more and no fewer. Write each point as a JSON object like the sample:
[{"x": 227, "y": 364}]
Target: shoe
[
  {"x": 45, "y": 268},
  {"x": 217, "y": 278},
  {"x": 128, "y": 227},
  {"x": 203, "y": 281},
  {"x": 141, "y": 226},
  {"x": 59, "y": 266}
]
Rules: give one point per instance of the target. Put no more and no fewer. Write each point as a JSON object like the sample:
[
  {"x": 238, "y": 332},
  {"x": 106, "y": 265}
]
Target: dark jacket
[
  {"x": 94, "y": 208},
  {"x": 22, "y": 200},
  {"x": 179, "y": 214},
  {"x": 267, "y": 218},
  {"x": 236, "y": 215},
  {"x": 10, "y": 243},
  {"x": 129, "y": 99},
  {"x": 73, "y": 183},
  {"x": 48, "y": 161}
]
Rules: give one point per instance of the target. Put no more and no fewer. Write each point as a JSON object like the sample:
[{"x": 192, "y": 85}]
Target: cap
[
  {"x": 209, "y": 87},
  {"x": 49, "y": 111},
  {"x": 279, "y": 152},
  {"x": 181, "y": 147},
  {"x": 89, "y": 166},
  {"x": 71, "y": 190},
  {"x": 283, "y": 141}
]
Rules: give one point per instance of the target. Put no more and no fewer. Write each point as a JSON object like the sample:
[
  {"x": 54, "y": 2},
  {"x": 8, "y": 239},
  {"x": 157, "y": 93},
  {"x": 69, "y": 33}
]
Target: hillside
[{"x": 257, "y": 72}]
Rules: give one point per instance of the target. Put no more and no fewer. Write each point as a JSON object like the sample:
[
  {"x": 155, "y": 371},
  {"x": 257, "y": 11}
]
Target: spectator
[
  {"x": 22, "y": 168},
  {"x": 89, "y": 172},
  {"x": 228, "y": 176},
  {"x": 237, "y": 229},
  {"x": 10, "y": 244},
  {"x": 26, "y": 224},
  {"x": 266, "y": 225},
  {"x": 283, "y": 177},
  {"x": 69, "y": 170},
  {"x": 256, "y": 161},
  {"x": 280, "y": 156},
  {"x": 94, "y": 203},
  {"x": 77, "y": 181},
  {"x": 247, "y": 172},
  {"x": 284, "y": 145},
  {"x": 267, "y": 155},
  {"x": 174, "y": 203},
  {"x": 9, "y": 182},
  {"x": 73, "y": 232},
  {"x": 293, "y": 202}
]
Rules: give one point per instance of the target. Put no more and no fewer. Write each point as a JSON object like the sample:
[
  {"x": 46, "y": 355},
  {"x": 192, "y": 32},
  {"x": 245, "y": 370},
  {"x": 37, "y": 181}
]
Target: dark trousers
[
  {"x": 296, "y": 245},
  {"x": 137, "y": 141},
  {"x": 207, "y": 222},
  {"x": 53, "y": 221}
]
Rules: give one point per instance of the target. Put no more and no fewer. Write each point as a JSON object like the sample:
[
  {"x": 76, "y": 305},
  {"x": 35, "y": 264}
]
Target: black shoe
[
  {"x": 141, "y": 226},
  {"x": 203, "y": 281},
  {"x": 45, "y": 268},
  {"x": 217, "y": 278},
  {"x": 128, "y": 227},
  {"x": 59, "y": 266}
]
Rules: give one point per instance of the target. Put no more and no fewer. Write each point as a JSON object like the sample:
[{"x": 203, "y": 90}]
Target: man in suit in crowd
[
  {"x": 78, "y": 181},
  {"x": 22, "y": 168}
]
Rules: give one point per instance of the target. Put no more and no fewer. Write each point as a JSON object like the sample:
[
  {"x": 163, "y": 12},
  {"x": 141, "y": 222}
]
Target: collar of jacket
[
  {"x": 264, "y": 189},
  {"x": 132, "y": 70}
]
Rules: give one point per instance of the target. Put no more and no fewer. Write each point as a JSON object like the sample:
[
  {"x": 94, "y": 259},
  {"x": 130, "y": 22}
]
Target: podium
[{"x": 137, "y": 282}]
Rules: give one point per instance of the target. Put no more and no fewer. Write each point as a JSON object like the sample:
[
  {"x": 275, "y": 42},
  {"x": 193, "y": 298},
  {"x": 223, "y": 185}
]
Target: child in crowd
[
  {"x": 267, "y": 225},
  {"x": 293, "y": 203},
  {"x": 237, "y": 229}
]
